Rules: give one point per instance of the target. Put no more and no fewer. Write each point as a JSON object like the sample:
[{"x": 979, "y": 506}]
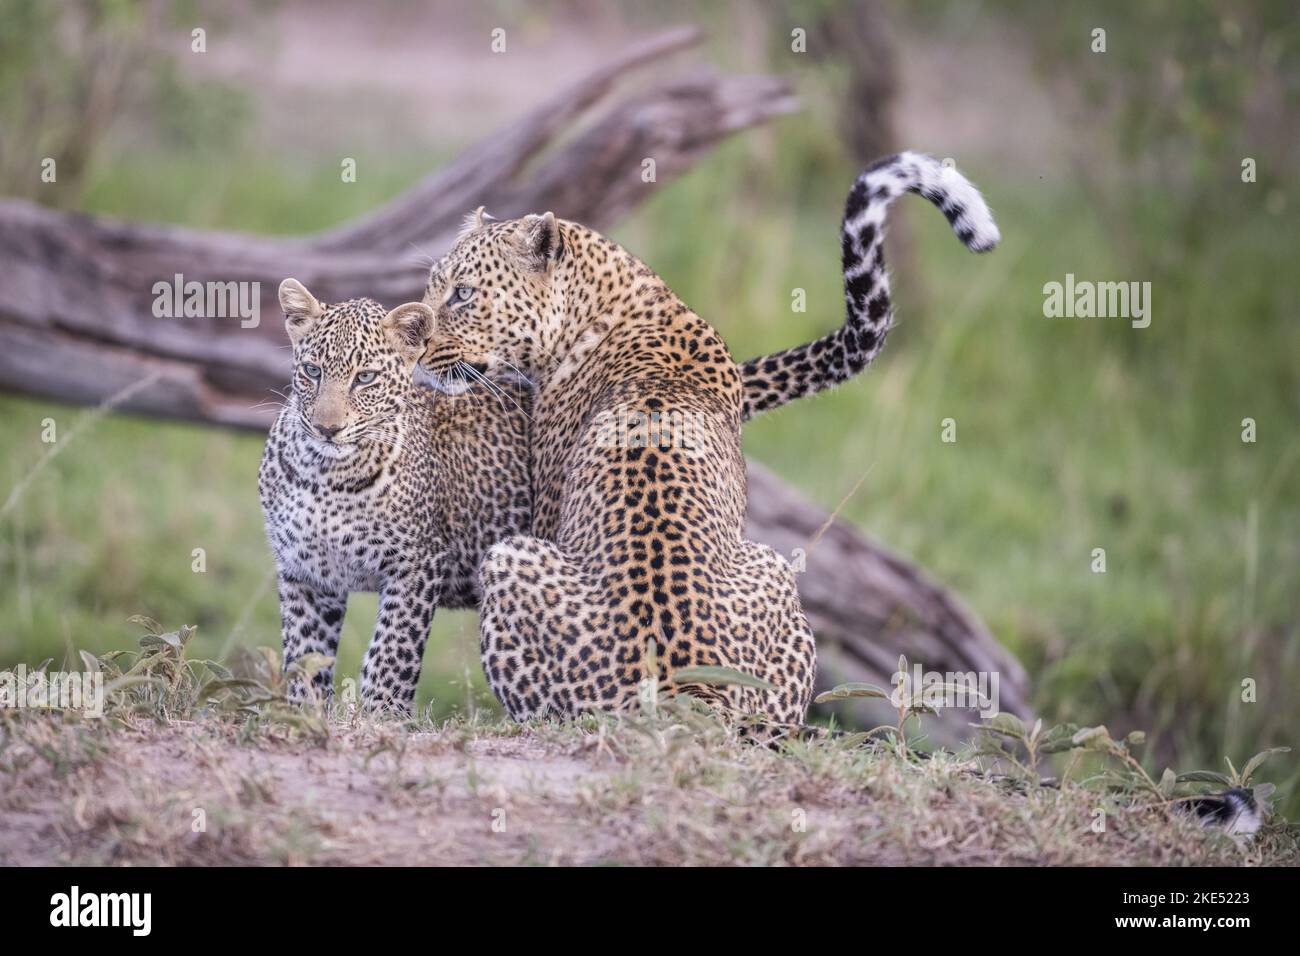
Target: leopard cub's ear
[
  {"x": 409, "y": 327},
  {"x": 301, "y": 310}
]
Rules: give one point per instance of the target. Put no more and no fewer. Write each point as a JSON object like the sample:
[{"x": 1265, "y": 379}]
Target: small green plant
[
  {"x": 1121, "y": 773},
  {"x": 1036, "y": 743},
  {"x": 908, "y": 701},
  {"x": 161, "y": 681},
  {"x": 158, "y": 680}
]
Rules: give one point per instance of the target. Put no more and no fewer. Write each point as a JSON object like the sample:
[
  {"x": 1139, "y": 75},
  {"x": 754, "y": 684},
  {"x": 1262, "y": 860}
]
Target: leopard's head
[
  {"x": 352, "y": 366},
  {"x": 497, "y": 299}
]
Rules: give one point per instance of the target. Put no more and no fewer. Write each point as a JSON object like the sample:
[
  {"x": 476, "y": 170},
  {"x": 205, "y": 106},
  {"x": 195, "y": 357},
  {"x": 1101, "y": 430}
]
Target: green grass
[
  {"x": 1072, "y": 435},
  {"x": 258, "y": 193}
]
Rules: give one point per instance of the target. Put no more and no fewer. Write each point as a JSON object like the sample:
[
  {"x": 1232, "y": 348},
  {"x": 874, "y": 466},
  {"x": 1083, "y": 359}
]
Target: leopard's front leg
[
  {"x": 391, "y": 669},
  {"x": 311, "y": 620}
]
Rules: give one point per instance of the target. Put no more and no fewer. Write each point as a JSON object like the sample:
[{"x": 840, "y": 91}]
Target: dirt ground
[
  {"x": 179, "y": 795},
  {"x": 626, "y": 791}
]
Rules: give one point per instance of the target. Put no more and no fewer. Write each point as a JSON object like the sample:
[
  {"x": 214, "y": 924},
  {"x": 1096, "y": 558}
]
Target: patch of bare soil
[{"x": 181, "y": 794}]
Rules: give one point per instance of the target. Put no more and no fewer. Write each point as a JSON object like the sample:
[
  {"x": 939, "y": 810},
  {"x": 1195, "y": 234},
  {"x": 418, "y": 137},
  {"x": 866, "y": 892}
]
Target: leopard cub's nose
[{"x": 329, "y": 431}]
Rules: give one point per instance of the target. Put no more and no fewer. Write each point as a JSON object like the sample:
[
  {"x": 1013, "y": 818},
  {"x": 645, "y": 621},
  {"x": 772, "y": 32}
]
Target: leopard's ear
[
  {"x": 541, "y": 239},
  {"x": 409, "y": 327},
  {"x": 301, "y": 310}
]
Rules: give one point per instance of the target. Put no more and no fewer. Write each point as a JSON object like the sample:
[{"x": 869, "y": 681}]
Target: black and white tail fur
[
  {"x": 838, "y": 356},
  {"x": 1236, "y": 811}
]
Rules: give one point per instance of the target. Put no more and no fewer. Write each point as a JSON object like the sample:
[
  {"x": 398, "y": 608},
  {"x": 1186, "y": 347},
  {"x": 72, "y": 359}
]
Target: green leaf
[
  {"x": 271, "y": 657},
  {"x": 1058, "y": 739},
  {"x": 1168, "y": 780},
  {"x": 213, "y": 687},
  {"x": 965, "y": 691},
  {"x": 171, "y": 639},
  {"x": 845, "y": 691},
  {"x": 988, "y": 745},
  {"x": 142, "y": 664},
  {"x": 122, "y": 683},
  {"x": 1093, "y": 738},
  {"x": 1264, "y": 792},
  {"x": 1254, "y": 762},
  {"x": 221, "y": 670},
  {"x": 1205, "y": 776},
  {"x": 309, "y": 665},
  {"x": 148, "y": 623},
  {"x": 1008, "y": 725},
  {"x": 1136, "y": 738},
  {"x": 721, "y": 676},
  {"x": 1231, "y": 769},
  {"x": 1055, "y": 746}
]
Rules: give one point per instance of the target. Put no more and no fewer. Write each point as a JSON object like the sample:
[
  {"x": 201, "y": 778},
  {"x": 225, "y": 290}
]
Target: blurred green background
[{"x": 1072, "y": 434}]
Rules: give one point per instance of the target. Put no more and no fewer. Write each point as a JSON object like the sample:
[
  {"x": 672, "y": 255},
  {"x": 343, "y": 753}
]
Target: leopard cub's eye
[
  {"x": 365, "y": 378},
  {"x": 313, "y": 371},
  {"x": 463, "y": 293}
]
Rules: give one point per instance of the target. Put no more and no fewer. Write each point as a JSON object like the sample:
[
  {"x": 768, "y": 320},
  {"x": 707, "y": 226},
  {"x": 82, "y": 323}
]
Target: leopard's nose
[{"x": 329, "y": 431}]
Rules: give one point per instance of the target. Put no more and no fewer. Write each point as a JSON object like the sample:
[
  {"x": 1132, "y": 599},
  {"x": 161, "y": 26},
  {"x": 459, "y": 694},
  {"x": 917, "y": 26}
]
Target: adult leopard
[{"x": 639, "y": 542}]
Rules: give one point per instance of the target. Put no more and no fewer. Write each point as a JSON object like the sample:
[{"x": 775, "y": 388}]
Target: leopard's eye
[
  {"x": 365, "y": 378},
  {"x": 313, "y": 371},
  {"x": 463, "y": 293}
]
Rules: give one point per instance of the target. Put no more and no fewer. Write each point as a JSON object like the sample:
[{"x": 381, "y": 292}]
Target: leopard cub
[{"x": 369, "y": 483}]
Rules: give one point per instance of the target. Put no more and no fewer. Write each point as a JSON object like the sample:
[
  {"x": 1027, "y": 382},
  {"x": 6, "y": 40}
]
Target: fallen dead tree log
[
  {"x": 868, "y": 605},
  {"x": 78, "y": 321}
]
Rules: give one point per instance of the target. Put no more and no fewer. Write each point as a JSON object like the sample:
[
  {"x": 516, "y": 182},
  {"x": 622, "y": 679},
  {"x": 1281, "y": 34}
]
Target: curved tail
[{"x": 772, "y": 380}]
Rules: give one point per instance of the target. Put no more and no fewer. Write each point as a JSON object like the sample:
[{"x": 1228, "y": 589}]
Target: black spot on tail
[
  {"x": 877, "y": 307},
  {"x": 857, "y": 201},
  {"x": 848, "y": 253},
  {"x": 859, "y": 288}
]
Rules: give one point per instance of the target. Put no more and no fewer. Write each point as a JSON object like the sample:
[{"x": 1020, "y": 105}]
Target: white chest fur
[{"x": 334, "y": 523}]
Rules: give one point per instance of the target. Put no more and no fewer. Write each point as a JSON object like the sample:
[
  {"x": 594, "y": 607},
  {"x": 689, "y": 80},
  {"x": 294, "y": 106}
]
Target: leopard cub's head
[
  {"x": 498, "y": 301},
  {"x": 352, "y": 366}
]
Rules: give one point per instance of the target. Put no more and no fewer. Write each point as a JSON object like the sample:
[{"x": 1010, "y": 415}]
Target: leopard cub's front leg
[
  {"x": 311, "y": 620},
  {"x": 391, "y": 669}
]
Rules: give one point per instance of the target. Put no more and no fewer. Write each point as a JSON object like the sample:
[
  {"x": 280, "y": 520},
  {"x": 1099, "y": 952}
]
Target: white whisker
[
  {"x": 516, "y": 370},
  {"x": 497, "y": 389}
]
